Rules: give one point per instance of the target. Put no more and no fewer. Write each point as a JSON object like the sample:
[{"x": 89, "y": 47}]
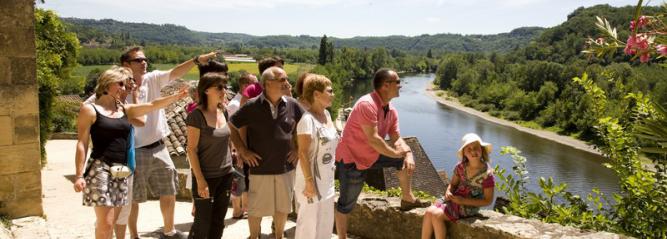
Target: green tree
[
  {"x": 447, "y": 74},
  {"x": 324, "y": 50},
  {"x": 57, "y": 51}
]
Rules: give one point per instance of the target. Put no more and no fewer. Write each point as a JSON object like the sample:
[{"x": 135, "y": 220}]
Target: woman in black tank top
[{"x": 106, "y": 122}]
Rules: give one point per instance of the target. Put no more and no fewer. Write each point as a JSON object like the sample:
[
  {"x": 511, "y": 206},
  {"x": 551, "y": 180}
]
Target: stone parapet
[{"x": 380, "y": 217}]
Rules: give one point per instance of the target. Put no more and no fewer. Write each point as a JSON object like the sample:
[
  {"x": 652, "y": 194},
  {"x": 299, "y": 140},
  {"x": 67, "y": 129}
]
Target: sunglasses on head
[{"x": 139, "y": 60}]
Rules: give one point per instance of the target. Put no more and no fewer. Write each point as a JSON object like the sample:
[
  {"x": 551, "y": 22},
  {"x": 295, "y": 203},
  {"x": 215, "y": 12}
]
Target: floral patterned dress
[{"x": 468, "y": 188}]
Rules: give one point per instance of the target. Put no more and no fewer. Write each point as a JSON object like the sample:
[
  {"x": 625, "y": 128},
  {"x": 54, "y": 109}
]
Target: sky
[{"x": 338, "y": 18}]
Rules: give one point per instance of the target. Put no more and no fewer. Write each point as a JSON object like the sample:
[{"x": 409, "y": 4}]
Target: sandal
[
  {"x": 407, "y": 206},
  {"x": 239, "y": 217}
]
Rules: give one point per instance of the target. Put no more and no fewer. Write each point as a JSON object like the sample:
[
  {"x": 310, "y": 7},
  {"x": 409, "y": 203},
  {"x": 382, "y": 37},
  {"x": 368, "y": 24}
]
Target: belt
[{"x": 153, "y": 145}]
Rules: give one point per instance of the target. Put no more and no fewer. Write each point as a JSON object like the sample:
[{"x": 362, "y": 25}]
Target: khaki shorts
[{"x": 269, "y": 194}]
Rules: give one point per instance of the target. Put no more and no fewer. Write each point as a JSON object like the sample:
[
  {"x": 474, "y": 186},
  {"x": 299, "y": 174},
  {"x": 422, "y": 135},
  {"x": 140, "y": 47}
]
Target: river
[{"x": 439, "y": 128}]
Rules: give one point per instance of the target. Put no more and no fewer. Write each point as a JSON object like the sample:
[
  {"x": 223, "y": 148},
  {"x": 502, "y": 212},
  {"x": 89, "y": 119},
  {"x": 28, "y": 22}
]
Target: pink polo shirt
[{"x": 354, "y": 147}]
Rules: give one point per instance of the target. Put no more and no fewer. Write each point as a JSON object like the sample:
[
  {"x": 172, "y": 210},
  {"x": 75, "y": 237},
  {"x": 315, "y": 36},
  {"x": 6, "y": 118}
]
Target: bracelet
[{"x": 78, "y": 177}]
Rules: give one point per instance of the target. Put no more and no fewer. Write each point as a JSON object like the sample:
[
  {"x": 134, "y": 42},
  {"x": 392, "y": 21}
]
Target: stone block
[
  {"x": 17, "y": 42},
  {"x": 24, "y": 70},
  {"x": 20, "y": 158},
  {"x": 5, "y": 71},
  {"x": 6, "y": 130},
  {"x": 17, "y": 13},
  {"x": 28, "y": 181},
  {"x": 6, "y": 188},
  {"x": 19, "y": 99},
  {"x": 26, "y": 204},
  {"x": 26, "y": 128}
]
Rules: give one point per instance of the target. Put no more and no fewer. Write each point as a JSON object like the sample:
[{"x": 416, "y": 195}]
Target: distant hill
[{"x": 112, "y": 33}]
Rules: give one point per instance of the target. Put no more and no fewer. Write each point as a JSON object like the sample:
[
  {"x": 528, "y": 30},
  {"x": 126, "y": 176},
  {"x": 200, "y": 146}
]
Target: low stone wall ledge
[{"x": 380, "y": 217}]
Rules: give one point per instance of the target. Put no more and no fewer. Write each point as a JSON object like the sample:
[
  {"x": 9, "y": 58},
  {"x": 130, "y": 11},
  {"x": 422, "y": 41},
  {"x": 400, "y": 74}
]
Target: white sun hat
[{"x": 471, "y": 138}]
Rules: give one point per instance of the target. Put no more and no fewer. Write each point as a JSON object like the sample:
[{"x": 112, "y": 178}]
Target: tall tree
[{"x": 323, "y": 51}]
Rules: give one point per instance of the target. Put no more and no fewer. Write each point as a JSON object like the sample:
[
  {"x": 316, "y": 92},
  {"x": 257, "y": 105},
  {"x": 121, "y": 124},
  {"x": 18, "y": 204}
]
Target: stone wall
[
  {"x": 379, "y": 217},
  {"x": 20, "y": 177}
]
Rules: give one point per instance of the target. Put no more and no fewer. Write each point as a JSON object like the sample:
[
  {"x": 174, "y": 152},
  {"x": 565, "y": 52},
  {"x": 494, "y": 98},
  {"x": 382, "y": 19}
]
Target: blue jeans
[{"x": 352, "y": 180}]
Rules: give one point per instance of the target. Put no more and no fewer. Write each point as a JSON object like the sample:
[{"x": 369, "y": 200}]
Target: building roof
[{"x": 425, "y": 178}]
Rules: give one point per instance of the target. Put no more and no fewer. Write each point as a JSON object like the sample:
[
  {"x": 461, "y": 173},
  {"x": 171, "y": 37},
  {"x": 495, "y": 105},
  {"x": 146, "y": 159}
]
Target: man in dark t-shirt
[{"x": 270, "y": 120}]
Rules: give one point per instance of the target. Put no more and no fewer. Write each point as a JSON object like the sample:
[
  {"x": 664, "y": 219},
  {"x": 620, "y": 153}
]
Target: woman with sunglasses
[
  {"x": 209, "y": 155},
  {"x": 105, "y": 121},
  {"x": 317, "y": 139}
]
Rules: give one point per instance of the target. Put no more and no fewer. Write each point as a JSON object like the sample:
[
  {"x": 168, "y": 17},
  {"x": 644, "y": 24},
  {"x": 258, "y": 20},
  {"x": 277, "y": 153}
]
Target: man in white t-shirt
[{"x": 155, "y": 170}]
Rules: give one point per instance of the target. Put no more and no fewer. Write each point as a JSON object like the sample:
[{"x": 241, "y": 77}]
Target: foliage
[
  {"x": 57, "y": 51},
  {"x": 326, "y": 51},
  {"x": 5, "y": 221},
  {"x": 108, "y": 33},
  {"x": 553, "y": 204},
  {"x": 641, "y": 208},
  {"x": 396, "y": 192},
  {"x": 64, "y": 116},
  {"x": 533, "y": 84}
]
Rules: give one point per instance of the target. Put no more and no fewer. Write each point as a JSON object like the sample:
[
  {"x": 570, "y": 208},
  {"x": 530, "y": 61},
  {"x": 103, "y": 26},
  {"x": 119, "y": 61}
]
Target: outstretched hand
[{"x": 205, "y": 58}]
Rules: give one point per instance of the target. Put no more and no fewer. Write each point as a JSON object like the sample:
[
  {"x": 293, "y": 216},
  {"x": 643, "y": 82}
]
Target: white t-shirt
[
  {"x": 156, "y": 126},
  {"x": 322, "y": 151},
  {"x": 234, "y": 104}
]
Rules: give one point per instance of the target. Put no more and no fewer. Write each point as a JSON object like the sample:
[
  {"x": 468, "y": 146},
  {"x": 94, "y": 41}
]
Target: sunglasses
[
  {"x": 398, "y": 82},
  {"x": 139, "y": 60},
  {"x": 221, "y": 87},
  {"x": 121, "y": 83}
]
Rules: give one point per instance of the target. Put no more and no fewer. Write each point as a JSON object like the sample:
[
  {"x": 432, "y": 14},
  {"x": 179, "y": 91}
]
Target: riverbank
[{"x": 548, "y": 135}]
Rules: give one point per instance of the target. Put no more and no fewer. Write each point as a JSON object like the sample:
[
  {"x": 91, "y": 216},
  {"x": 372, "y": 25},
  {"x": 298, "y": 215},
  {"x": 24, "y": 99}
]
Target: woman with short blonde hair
[
  {"x": 317, "y": 141},
  {"x": 104, "y": 181}
]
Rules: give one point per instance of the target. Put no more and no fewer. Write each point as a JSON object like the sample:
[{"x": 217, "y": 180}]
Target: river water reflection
[{"x": 439, "y": 129}]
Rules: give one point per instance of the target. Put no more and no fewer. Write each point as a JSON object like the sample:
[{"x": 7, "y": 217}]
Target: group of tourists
[{"x": 262, "y": 150}]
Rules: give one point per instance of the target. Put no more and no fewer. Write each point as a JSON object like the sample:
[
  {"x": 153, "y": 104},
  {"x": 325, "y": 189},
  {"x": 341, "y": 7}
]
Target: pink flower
[
  {"x": 636, "y": 43},
  {"x": 661, "y": 49},
  {"x": 630, "y": 45},
  {"x": 645, "y": 57},
  {"x": 643, "y": 21}
]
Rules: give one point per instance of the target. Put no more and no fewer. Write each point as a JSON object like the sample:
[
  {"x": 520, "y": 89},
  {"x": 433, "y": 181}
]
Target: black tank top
[{"x": 109, "y": 137}]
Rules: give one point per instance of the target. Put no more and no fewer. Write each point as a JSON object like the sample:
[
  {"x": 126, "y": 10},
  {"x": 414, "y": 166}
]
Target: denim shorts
[{"x": 352, "y": 180}]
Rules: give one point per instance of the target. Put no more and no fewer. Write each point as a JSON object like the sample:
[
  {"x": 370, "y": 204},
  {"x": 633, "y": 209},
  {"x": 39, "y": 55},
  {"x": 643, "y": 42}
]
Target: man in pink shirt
[{"x": 363, "y": 147}]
